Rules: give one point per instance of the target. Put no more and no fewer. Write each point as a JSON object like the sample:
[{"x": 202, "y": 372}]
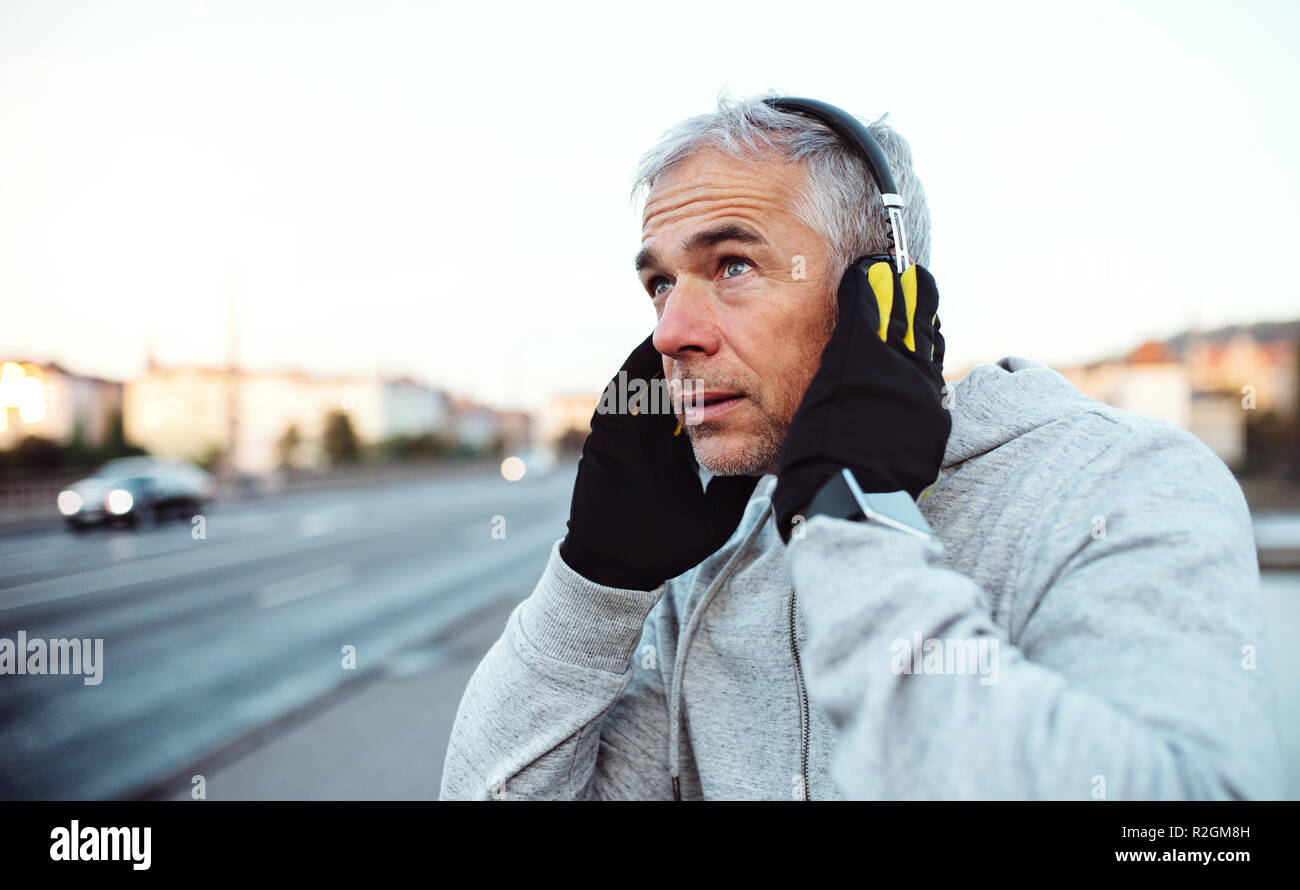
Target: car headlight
[
  {"x": 69, "y": 502},
  {"x": 119, "y": 501}
]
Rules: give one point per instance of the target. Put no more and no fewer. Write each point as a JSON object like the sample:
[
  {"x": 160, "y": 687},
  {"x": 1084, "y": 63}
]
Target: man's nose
[{"x": 688, "y": 323}]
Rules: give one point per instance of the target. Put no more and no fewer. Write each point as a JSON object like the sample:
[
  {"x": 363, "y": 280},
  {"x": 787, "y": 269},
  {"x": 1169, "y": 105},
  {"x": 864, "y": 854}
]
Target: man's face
[{"x": 738, "y": 309}]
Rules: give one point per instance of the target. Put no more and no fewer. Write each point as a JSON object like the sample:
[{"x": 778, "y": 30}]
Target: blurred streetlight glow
[
  {"x": 11, "y": 378},
  {"x": 31, "y": 400},
  {"x": 21, "y": 390}
]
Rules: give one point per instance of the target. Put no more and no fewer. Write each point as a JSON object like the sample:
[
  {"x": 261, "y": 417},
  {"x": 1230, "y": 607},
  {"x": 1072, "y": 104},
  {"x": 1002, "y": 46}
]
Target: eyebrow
[{"x": 707, "y": 238}]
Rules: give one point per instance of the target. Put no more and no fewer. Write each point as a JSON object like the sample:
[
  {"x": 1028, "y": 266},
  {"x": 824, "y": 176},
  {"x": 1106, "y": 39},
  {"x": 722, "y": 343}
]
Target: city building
[
  {"x": 1205, "y": 382},
  {"x": 1238, "y": 358},
  {"x": 49, "y": 401},
  {"x": 516, "y": 431},
  {"x": 566, "y": 421},
  {"x": 196, "y": 413}
]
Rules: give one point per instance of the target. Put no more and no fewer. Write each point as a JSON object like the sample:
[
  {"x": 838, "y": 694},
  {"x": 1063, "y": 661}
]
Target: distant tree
[
  {"x": 38, "y": 453},
  {"x": 572, "y": 441},
  {"x": 115, "y": 441},
  {"x": 1295, "y": 358},
  {"x": 397, "y": 447},
  {"x": 404, "y": 446},
  {"x": 76, "y": 452},
  {"x": 210, "y": 458},
  {"x": 341, "y": 443},
  {"x": 287, "y": 446},
  {"x": 432, "y": 445},
  {"x": 1272, "y": 445},
  {"x": 115, "y": 444}
]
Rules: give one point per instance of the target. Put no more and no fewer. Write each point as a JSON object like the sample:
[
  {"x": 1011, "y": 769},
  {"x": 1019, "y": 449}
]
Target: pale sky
[{"x": 441, "y": 189}]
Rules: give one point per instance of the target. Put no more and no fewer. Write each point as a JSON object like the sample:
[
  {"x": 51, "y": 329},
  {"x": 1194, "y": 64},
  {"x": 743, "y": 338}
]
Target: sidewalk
[{"x": 383, "y": 737}]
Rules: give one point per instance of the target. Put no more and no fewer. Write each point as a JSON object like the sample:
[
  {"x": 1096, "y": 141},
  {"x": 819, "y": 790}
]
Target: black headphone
[{"x": 851, "y": 131}]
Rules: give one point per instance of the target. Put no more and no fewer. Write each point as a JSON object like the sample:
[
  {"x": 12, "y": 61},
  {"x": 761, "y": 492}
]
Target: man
[{"x": 1073, "y": 612}]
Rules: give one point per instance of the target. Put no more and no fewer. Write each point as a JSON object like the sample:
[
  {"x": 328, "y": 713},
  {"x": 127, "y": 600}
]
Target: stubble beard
[
  {"x": 760, "y": 454},
  {"x": 755, "y": 455}
]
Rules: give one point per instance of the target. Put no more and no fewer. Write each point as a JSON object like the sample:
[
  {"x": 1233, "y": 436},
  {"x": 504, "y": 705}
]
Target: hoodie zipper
[
  {"x": 679, "y": 668},
  {"x": 803, "y": 700}
]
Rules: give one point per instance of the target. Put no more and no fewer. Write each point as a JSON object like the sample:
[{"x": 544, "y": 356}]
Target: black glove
[
  {"x": 875, "y": 404},
  {"x": 640, "y": 514}
]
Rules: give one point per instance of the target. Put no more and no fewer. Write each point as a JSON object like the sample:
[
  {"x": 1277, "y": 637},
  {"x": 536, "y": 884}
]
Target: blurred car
[
  {"x": 533, "y": 461},
  {"x": 131, "y": 489}
]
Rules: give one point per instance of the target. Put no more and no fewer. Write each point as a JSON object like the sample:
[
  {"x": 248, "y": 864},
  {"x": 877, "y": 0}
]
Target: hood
[
  {"x": 994, "y": 404},
  {"x": 998, "y": 402}
]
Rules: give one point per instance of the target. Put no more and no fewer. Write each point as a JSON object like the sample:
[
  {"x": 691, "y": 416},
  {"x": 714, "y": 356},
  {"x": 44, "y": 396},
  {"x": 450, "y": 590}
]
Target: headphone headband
[{"x": 854, "y": 133}]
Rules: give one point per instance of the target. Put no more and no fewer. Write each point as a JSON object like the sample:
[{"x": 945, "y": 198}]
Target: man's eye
[
  {"x": 659, "y": 287},
  {"x": 734, "y": 267}
]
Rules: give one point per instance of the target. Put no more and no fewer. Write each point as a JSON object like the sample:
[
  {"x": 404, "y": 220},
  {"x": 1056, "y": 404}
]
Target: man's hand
[
  {"x": 640, "y": 514},
  {"x": 875, "y": 404}
]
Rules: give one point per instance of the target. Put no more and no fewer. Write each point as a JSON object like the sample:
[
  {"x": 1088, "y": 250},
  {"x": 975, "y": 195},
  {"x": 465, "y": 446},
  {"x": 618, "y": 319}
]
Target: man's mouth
[{"x": 706, "y": 406}]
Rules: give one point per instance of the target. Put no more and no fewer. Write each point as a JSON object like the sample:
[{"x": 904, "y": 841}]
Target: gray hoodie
[{"x": 1087, "y": 626}]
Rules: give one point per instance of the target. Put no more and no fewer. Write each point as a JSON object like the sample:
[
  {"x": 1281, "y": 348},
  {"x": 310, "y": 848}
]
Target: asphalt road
[
  {"x": 223, "y": 654},
  {"x": 206, "y": 640}
]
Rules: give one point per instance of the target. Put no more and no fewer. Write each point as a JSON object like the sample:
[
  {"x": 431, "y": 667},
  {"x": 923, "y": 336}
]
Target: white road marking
[
  {"x": 302, "y": 586},
  {"x": 198, "y": 557},
  {"x": 327, "y": 521}
]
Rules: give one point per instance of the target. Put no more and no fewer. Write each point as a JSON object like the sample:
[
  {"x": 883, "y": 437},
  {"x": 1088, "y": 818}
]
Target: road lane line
[
  {"x": 196, "y": 559},
  {"x": 302, "y": 586}
]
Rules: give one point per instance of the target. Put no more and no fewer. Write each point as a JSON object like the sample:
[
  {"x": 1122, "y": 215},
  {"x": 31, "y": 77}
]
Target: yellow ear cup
[
  {"x": 881, "y": 279},
  {"x": 909, "y": 304}
]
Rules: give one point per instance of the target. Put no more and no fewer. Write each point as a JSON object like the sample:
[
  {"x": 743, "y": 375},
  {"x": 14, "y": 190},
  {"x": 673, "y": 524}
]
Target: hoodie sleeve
[
  {"x": 568, "y": 703},
  {"x": 1133, "y": 665}
]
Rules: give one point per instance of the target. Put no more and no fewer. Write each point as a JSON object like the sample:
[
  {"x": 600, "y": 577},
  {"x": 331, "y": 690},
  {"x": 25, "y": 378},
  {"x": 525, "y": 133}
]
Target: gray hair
[{"x": 840, "y": 189}]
